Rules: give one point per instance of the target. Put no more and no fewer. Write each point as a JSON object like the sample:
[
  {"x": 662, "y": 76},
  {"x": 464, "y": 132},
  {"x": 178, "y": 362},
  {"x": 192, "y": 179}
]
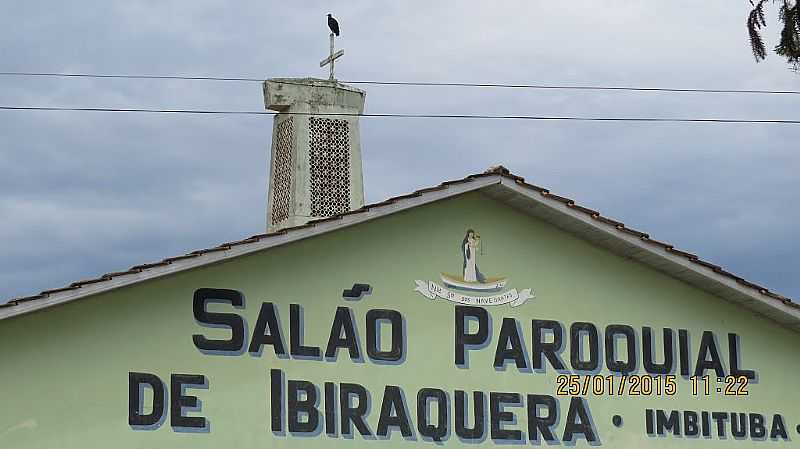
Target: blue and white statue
[
  {"x": 469, "y": 248},
  {"x": 471, "y": 278}
]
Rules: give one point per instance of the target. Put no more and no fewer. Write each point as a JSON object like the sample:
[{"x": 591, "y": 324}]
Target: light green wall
[{"x": 63, "y": 371}]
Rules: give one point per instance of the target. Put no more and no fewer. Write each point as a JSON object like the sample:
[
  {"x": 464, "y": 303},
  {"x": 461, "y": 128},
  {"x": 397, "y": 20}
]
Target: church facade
[{"x": 482, "y": 311}]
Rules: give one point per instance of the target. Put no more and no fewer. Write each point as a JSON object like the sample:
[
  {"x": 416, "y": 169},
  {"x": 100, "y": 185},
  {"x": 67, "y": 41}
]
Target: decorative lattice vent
[
  {"x": 282, "y": 171},
  {"x": 329, "y": 158}
]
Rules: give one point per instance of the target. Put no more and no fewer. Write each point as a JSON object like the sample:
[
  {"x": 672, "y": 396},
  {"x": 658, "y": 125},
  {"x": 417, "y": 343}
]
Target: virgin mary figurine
[{"x": 468, "y": 249}]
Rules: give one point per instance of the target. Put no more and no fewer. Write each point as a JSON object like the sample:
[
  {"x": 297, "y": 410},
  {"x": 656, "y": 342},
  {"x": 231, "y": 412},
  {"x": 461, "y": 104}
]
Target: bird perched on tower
[{"x": 333, "y": 25}]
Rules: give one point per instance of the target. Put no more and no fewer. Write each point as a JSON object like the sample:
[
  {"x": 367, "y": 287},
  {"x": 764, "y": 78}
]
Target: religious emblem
[
  {"x": 472, "y": 287},
  {"x": 333, "y": 24}
]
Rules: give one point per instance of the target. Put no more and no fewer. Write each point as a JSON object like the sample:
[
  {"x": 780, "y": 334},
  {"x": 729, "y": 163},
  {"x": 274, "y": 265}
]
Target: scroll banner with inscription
[{"x": 432, "y": 290}]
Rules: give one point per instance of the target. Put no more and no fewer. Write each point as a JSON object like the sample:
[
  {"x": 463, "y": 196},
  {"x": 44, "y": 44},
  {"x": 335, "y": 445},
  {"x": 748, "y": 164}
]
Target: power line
[
  {"x": 579, "y": 87},
  {"x": 427, "y": 116},
  {"x": 419, "y": 83},
  {"x": 150, "y": 77}
]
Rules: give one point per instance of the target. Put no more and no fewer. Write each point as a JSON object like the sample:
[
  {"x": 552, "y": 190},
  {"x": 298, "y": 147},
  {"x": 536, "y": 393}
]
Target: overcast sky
[{"x": 82, "y": 194}]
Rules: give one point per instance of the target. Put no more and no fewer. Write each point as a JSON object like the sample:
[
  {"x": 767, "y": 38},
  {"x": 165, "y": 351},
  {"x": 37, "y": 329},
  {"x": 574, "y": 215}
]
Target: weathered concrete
[{"x": 301, "y": 99}]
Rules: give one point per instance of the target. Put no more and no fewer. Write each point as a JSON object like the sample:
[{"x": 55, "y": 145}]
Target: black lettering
[
  {"x": 720, "y": 418},
  {"x": 578, "y": 421},
  {"x": 330, "y": 408},
  {"x": 666, "y": 424},
  {"x": 353, "y": 413},
  {"x": 426, "y": 429},
  {"x": 136, "y": 416},
  {"x": 690, "y": 427},
  {"x": 619, "y": 366},
  {"x": 708, "y": 346},
  {"x": 374, "y": 317},
  {"x": 393, "y": 412},
  {"x": 706, "y": 424},
  {"x": 179, "y": 400},
  {"x": 739, "y": 426},
  {"x": 538, "y": 423},
  {"x": 648, "y": 418},
  {"x": 499, "y": 415},
  {"x": 306, "y": 406},
  {"x": 267, "y": 331},
  {"x": 733, "y": 353},
  {"x": 276, "y": 399},
  {"x": 778, "y": 429},
  {"x": 232, "y": 321},
  {"x": 757, "y": 428},
  {"x": 475, "y": 432},
  {"x": 683, "y": 346},
  {"x": 549, "y": 350},
  {"x": 296, "y": 347},
  {"x": 647, "y": 348},
  {"x": 576, "y": 346},
  {"x": 343, "y": 323},
  {"x": 462, "y": 338},
  {"x": 509, "y": 334}
]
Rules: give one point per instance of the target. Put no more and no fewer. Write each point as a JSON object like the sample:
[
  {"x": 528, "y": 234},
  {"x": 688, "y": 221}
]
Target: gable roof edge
[
  {"x": 660, "y": 256},
  {"x": 226, "y": 251},
  {"x": 498, "y": 183}
]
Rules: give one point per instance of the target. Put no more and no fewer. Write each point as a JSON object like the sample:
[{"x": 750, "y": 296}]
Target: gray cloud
[{"x": 86, "y": 193}]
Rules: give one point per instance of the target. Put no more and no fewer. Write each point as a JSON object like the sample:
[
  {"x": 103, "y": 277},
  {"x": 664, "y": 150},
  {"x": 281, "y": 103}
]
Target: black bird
[{"x": 333, "y": 25}]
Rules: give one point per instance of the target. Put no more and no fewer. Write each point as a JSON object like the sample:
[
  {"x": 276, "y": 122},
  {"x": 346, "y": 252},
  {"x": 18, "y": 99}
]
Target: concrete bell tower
[{"x": 315, "y": 169}]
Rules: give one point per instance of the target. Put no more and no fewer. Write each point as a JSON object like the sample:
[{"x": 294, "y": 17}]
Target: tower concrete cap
[{"x": 312, "y": 95}]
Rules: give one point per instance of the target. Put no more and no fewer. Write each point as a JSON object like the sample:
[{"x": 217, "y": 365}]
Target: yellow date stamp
[{"x": 646, "y": 385}]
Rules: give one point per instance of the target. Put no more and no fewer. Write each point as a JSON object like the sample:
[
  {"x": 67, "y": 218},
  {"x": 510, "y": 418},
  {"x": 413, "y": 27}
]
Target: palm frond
[
  {"x": 789, "y": 45},
  {"x": 756, "y": 21}
]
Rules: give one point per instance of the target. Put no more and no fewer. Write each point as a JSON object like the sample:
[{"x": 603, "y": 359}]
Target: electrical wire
[
  {"x": 426, "y": 116},
  {"x": 419, "y": 83}
]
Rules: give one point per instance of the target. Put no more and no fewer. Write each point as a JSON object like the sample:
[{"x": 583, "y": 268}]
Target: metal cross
[{"x": 331, "y": 58}]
